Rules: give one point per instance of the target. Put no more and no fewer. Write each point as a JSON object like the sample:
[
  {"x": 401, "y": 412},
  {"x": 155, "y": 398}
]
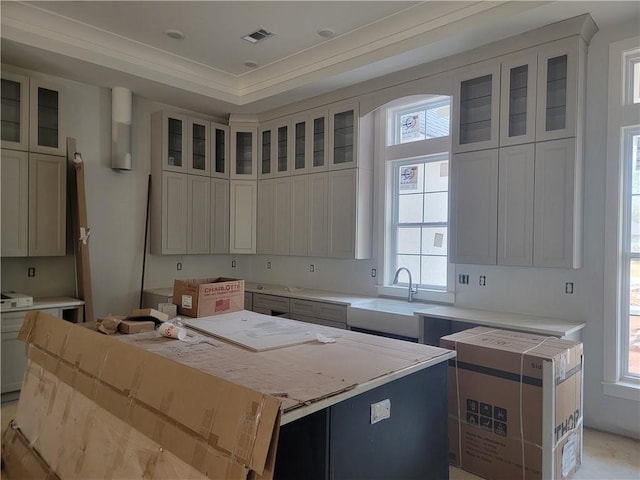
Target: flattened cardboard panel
[
  {"x": 20, "y": 460},
  {"x": 92, "y": 363}
]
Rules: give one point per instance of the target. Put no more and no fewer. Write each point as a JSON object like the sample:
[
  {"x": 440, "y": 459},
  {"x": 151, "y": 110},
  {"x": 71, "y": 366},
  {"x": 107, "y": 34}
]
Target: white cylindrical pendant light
[{"x": 121, "y": 128}]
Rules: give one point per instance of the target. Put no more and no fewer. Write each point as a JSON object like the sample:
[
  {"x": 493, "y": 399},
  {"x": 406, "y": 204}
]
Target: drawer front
[
  {"x": 270, "y": 302},
  {"x": 248, "y": 301},
  {"x": 329, "y": 311},
  {"x": 303, "y": 307},
  {"x": 12, "y": 322},
  {"x": 318, "y": 321}
]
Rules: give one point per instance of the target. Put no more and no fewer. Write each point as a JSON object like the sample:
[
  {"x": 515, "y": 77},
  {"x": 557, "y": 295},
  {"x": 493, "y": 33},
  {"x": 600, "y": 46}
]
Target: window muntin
[
  {"x": 419, "y": 227},
  {"x": 420, "y": 122}
]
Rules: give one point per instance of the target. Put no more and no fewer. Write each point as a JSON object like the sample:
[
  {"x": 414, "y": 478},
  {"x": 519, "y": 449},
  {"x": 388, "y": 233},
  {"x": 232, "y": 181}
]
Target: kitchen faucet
[{"x": 411, "y": 289}]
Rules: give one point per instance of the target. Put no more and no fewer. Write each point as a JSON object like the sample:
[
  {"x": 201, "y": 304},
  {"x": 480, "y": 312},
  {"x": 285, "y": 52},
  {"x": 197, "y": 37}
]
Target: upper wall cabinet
[
  {"x": 265, "y": 151},
  {"x": 244, "y": 150},
  {"x": 343, "y": 136},
  {"x": 476, "y": 107},
  {"x": 32, "y": 115},
  {"x": 15, "y": 111},
  {"x": 518, "y": 99},
  {"x": 300, "y": 152},
  {"x": 219, "y": 150},
  {"x": 318, "y": 141},
  {"x": 169, "y": 140},
  {"x": 198, "y": 147},
  {"x": 561, "y": 86}
]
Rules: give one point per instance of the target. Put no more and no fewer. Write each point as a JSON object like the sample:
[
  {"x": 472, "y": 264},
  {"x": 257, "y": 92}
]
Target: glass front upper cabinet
[
  {"x": 344, "y": 133},
  {"x": 265, "y": 158},
  {"x": 199, "y": 133},
  {"x": 282, "y": 151},
  {"x": 518, "y": 99},
  {"x": 174, "y": 142},
  {"x": 220, "y": 151},
  {"x": 243, "y": 152},
  {"x": 476, "y": 108},
  {"x": 559, "y": 89},
  {"x": 299, "y": 154},
  {"x": 318, "y": 141},
  {"x": 46, "y": 133},
  {"x": 15, "y": 111}
]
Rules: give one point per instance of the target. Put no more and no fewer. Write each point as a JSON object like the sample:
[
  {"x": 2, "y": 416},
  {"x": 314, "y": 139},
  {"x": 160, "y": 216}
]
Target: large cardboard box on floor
[
  {"x": 515, "y": 404},
  {"x": 92, "y": 406},
  {"x": 202, "y": 297}
]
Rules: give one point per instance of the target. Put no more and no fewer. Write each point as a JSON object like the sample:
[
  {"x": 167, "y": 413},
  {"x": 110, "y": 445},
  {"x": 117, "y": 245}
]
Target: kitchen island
[{"x": 351, "y": 405}]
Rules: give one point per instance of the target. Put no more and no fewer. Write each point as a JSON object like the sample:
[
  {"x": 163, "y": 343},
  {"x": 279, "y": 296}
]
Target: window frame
[
  {"x": 409, "y": 151},
  {"x": 622, "y": 118}
]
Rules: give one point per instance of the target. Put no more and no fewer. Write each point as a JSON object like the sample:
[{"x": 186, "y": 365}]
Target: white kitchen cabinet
[
  {"x": 518, "y": 98},
  {"x": 515, "y": 205},
  {"x": 349, "y": 219},
  {"x": 318, "y": 211},
  {"x": 242, "y": 216},
  {"x": 300, "y": 151},
  {"x": 558, "y": 204},
  {"x": 244, "y": 151},
  {"x": 473, "y": 215},
  {"x": 282, "y": 157},
  {"x": 198, "y": 214},
  {"x": 169, "y": 212},
  {"x": 219, "y": 236},
  {"x": 198, "y": 146},
  {"x": 46, "y": 127},
  {"x": 318, "y": 140},
  {"x": 219, "y": 150},
  {"x": 169, "y": 141},
  {"x": 15, "y": 111},
  {"x": 299, "y": 238},
  {"x": 343, "y": 136},
  {"x": 561, "y": 89},
  {"x": 265, "y": 151},
  {"x": 476, "y": 107},
  {"x": 274, "y": 216},
  {"x": 15, "y": 203},
  {"x": 47, "y": 205}
]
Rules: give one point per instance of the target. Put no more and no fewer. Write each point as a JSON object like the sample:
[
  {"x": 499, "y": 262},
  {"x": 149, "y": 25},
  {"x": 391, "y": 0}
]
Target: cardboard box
[
  {"x": 515, "y": 404},
  {"x": 208, "y": 296},
  {"x": 121, "y": 411},
  {"x": 136, "y": 326}
]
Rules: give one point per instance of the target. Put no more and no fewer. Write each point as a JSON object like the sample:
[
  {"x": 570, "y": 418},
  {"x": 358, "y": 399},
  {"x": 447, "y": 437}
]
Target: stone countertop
[{"x": 43, "y": 303}]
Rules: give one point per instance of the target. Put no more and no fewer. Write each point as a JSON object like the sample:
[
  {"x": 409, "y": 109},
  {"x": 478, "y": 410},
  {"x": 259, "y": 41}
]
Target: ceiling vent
[{"x": 258, "y": 36}]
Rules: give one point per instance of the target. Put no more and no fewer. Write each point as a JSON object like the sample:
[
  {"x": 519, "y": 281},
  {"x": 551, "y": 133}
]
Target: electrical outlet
[
  {"x": 483, "y": 280},
  {"x": 568, "y": 287},
  {"x": 312, "y": 268},
  {"x": 268, "y": 265},
  {"x": 374, "y": 272},
  {"x": 179, "y": 266},
  {"x": 233, "y": 264},
  {"x": 463, "y": 279},
  {"x": 380, "y": 411},
  {"x": 31, "y": 272}
]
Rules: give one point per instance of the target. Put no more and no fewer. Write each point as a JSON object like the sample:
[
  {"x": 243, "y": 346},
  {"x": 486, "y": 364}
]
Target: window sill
[
  {"x": 626, "y": 390},
  {"x": 421, "y": 296}
]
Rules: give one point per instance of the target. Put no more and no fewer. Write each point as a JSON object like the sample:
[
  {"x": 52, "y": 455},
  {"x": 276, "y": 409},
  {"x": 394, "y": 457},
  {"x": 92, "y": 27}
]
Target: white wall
[{"x": 117, "y": 206}]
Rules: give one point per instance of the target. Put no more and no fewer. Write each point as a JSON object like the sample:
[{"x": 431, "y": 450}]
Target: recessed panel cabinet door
[
  {"x": 242, "y": 222},
  {"x": 342, "y": 197},
  {"x": 219, "y": 237},
  {"x": 174, "y": 213},
  {"x": 299, "y": 215},
  {"x": 515, "y": 205},
  {"x": 15, "y": 203},
  {"x": 318, "y": 214},
  {"x": 199, "y": 214},
  {"x": 474, "y": 203},
  {"x": 47, "y": 205},
  {"x": 557, "y": 210}
]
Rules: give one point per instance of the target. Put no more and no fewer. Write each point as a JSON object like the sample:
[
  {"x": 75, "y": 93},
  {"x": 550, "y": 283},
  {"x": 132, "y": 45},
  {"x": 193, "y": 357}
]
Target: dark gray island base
[{"x": 339, "y": 442}]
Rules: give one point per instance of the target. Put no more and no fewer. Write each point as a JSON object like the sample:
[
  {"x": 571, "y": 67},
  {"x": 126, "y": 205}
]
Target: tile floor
[{"x": 606, "y": 456}]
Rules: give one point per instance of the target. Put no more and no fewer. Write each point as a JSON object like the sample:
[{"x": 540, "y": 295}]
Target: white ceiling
[{"x": 124, "y": 43}]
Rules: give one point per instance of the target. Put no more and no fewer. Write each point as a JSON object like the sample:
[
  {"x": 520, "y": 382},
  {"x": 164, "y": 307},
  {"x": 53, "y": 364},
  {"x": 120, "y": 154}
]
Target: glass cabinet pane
[
  {"x": 48, "y": 110},
  {"x": 265, "y": 164},
  {"x": 318, "y": 142},
  {"x": 220, "y": 149},
  {"x": 475, "y": 109},
  {"x": 282, "y": 149},
  {"x": 556, "y": 112},
  {"x": 518, "y": 87},
  {"x": 300, "y": 141},
  {"x": 243, "y": 153},
  {"x": 11, "y": 110},
  {"x": 199, "y": 147},
  {"x": 174, "y": 142},
  {"x": 343, "y": 137}
]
